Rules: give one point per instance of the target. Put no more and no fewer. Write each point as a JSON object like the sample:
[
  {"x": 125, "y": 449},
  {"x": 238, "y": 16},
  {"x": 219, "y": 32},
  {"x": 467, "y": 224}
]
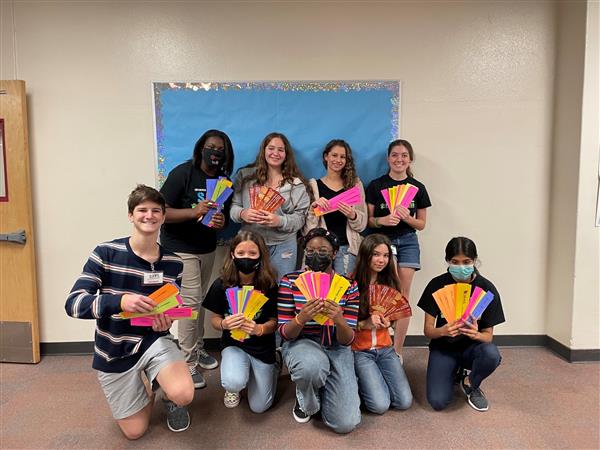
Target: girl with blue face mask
[{"x": 456, "y": 346}]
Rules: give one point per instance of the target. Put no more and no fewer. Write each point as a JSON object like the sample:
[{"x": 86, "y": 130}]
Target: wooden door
[{"x": 19, "y": 330}]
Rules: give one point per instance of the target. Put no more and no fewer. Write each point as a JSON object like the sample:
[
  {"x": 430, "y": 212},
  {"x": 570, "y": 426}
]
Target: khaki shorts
[{"x": 125, "y": 392}]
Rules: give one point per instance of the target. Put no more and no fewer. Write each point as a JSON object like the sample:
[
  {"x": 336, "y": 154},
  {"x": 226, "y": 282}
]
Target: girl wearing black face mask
[
  {"x": 249, "y": 364},
  {"x": 184, "y": 191},
  {"x": 311, "y": 351}
]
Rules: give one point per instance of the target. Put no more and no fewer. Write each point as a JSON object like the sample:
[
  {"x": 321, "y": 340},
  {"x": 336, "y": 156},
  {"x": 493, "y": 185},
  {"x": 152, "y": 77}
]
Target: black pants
[{"x": 481, "y": 358}]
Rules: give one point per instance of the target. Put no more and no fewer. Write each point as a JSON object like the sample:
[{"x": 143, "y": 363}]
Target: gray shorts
[{"x": 125, "y": 392}]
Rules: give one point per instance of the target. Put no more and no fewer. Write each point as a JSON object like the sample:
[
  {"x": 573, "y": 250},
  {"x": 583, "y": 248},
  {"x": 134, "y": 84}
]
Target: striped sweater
[
  {"x": 290, "y": 302},
  {"x": 113, "y": 269}
]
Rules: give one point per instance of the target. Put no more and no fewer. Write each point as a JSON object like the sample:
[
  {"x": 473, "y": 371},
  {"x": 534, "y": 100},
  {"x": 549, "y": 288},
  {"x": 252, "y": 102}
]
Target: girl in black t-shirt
[
  {"x": 458, "y": 345},
  {"x": 400, "y": 226},
  {"x": 348, "y": 221},
  {"x": 184, "y": 233},
  {"x": 250, "y": 363}
]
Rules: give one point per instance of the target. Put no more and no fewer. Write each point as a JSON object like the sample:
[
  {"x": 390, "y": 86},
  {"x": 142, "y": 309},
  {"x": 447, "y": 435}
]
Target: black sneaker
[
  {"x": 299, "y": 415},
  {"x": 464, "y": 386},
  {"x": 477, "y": 400},
  {"x": 461, "y": 374},
  {"x": 197, "y": 378},
  {"x": 278, "y": 360},
  {"x": 206, "y": 361},
  {"x": 178, "y": 418}
]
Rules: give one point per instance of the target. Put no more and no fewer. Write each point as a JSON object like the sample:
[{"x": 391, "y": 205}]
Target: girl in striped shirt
[{"x": 318, "y": 357}]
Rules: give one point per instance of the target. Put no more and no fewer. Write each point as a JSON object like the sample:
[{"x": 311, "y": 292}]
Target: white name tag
[
  {"x": 394, "y": 251},
  {"x": 151, "y": 278}
]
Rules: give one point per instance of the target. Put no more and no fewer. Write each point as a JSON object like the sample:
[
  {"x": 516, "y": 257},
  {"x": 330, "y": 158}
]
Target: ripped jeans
[{"x": 283, "y": 256}]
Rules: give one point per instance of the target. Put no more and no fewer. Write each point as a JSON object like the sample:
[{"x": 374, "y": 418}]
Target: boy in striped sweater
[{"x": 118, "y": 276}]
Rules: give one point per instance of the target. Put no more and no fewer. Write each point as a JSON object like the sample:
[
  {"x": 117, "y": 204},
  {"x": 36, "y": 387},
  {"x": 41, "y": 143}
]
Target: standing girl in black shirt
[
  {"x": 183, "y": 233},
  {"x": 346, "y": 223},
  {"x": 457, "y": 345},
  {"x": 400, "y": 226},
  {"x": 250, "y": 363}
]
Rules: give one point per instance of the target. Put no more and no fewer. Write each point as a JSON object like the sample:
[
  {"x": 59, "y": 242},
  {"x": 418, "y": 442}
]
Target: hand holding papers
[
  {"x": 264, "y": 198},
  {"x": 321, "y": 286},
  {"x": 350, "y": 197},
  {"x": 400, "y": 195},
  {"x": 388, "y": 303},
  {"x": 457, "y": 303},
  {"x": 168, "y": 302},
  {"x": 247, "y": 301},
  {"x": 217, "y": 191}
]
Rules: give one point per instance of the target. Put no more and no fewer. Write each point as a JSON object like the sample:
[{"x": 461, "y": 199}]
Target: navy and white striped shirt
[{"x": 113, "y": 269}]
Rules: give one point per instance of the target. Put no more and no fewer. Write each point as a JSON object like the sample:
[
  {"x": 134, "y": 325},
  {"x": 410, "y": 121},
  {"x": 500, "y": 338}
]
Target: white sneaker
[{"x": 231, "y": 399}]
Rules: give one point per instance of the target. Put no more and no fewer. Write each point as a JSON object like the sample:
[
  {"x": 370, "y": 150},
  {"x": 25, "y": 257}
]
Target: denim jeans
[
  {"x": 283, "y": 257},
  {"x": 240, "y": 370},
  {"x": 325, "y": 380},
  {"x": 381, "y": 380},
  {"x": 408, "y": 252},
  {"x": 344, "y": 261},
  {"x": 481, "y": 358}
]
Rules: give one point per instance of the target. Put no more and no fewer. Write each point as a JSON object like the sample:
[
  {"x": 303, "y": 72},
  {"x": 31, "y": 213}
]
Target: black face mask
[
  {"x": 246, "y": 265},
  {"x": 317, "y": 263},
  {"x": 219, "y": 157}
]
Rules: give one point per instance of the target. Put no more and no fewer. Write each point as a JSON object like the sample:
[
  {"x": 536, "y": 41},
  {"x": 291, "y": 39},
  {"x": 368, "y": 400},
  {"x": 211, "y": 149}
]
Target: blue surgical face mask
[{"x": 460, "y": 272}]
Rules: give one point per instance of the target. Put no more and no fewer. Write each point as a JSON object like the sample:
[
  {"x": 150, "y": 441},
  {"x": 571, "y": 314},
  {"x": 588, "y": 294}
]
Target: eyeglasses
[{"x": 320, "y": 252}]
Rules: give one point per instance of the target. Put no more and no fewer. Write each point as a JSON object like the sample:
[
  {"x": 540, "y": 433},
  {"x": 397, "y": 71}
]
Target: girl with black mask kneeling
[
  {"x": 318, "y": 357},
  {"x": 249, "y": 363}
]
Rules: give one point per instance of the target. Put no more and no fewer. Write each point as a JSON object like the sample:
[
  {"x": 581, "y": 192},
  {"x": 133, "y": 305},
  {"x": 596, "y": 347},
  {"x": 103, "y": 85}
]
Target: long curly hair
[
  {"x": 289, "y": 168},
  {"x": 264, "y": 278},
  {"x": 349, "y": 176},
  {"x": 362, "y": 273}
]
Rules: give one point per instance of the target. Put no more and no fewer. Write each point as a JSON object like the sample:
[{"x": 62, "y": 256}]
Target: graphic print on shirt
[
  {"x": 383, "y": 206},
  {"x": 200, "y": 196}
]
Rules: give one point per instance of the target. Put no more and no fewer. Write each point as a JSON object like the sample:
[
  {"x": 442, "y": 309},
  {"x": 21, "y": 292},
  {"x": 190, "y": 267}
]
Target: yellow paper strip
[
  {"x": 462, "y": 296},
  {"x": 169, "y": 303}
]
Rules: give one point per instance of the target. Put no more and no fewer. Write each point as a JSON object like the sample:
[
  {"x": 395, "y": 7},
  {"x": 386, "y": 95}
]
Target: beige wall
[
  {"x": 573, "y": 307},
  {"x": 586, "y": 305},
  {"x": 477, "y": 103}
]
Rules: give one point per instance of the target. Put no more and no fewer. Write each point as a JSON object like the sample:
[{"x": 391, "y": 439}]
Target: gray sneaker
[
  {"x": 178, "y": 418},
  {"x": 477, "y": 400},
  {"x": 197, "y": 378},
  {"x": 206, "y": 361}
]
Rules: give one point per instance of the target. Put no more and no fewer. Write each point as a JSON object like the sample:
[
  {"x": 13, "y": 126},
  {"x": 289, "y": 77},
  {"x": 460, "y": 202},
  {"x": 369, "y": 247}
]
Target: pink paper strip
[
  {"x": 179, "y": 313},
  {"x": 472, "y": 301},
  {"x": 141, "y": 321},
  {"x": 409, "y": 196},
  {"x": 232, "y": 299},
  {"x": 175, "y": 313},
  {"x": 386, "y": 196},
  {"x": 311, "y": 285},
  {"x": 325, "y": 281}
]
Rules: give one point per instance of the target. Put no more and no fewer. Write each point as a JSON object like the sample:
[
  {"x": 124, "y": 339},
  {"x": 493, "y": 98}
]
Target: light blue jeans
[
  {"x": 325, "y": 380},
  {"x": 344, "y": 261},
  {"x": 381, "y": 380},
  {"x": 239, "y": 369},
  {"x": 283, "y": 257}
]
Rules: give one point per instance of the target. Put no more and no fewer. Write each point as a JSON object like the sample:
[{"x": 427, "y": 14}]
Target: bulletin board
[{"x": 365, "y": 113}]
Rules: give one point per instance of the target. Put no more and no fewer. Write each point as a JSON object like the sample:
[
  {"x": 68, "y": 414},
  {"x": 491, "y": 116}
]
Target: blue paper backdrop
[
  {"x": 310, "y": 114},
  {"x": 364, "y": 113}
]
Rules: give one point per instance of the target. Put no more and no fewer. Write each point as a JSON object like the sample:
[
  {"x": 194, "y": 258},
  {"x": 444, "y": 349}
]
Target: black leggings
[{"x": 481, "y": 358}]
